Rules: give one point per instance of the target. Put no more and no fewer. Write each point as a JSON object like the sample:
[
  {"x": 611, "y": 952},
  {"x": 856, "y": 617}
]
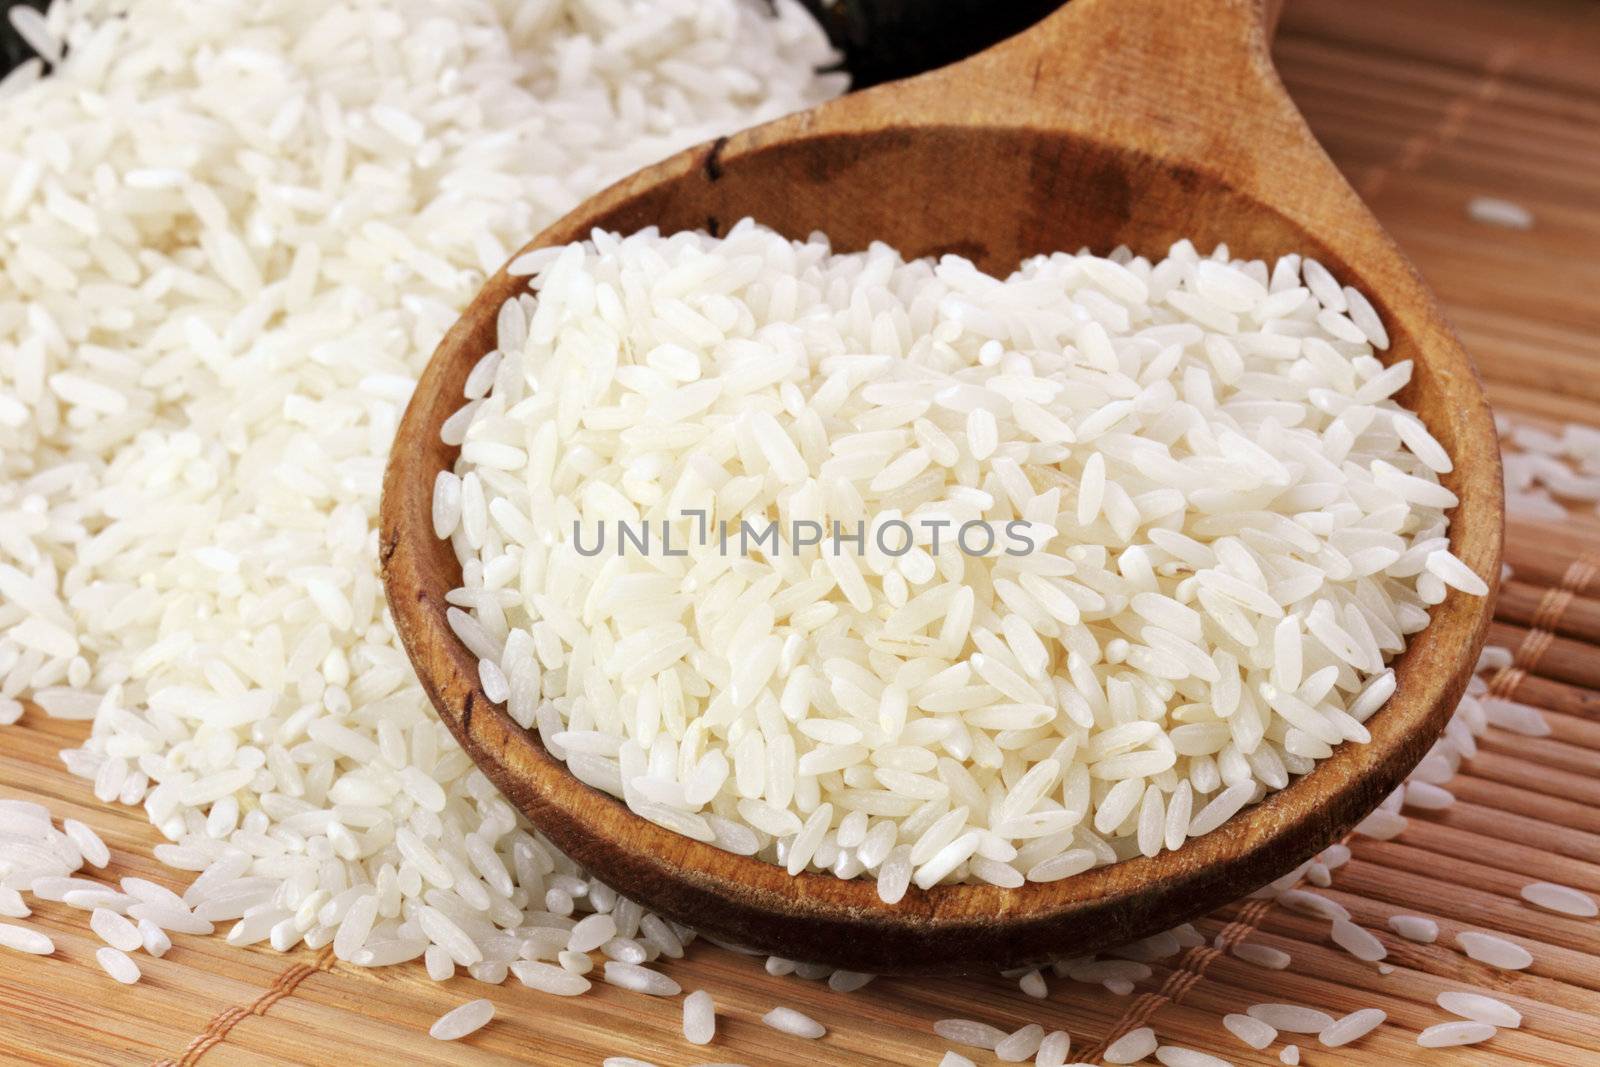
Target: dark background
[
  {"x": 879, "y": 39},
  {"x": 12, "y": 50},
  {"x": 886, "y": 39}
]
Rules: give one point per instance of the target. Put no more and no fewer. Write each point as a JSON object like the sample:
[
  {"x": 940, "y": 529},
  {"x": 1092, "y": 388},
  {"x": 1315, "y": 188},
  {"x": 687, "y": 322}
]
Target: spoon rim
[{"x": 989, "y": 924}]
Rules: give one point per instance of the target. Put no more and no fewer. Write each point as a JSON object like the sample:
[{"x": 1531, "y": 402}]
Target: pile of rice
[
  {"x": 231, "y": 234},
  {"x": 1551, "y": 472},
  {"x": 1134, "y": 543}
]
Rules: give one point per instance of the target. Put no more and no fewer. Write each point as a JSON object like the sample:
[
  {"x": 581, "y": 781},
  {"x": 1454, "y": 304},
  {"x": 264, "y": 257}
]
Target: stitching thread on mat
[
  {"x": 217, "y": 1029},
  {"x": 1552, "y": 605},
  {"x": 1186, "y": 976},
  {"x": 1418, "y": 147},
  {"x": 1535, "y": 643},
  {"x": 1546, "y": 619},
  {"x": 1584, "y": 570}
]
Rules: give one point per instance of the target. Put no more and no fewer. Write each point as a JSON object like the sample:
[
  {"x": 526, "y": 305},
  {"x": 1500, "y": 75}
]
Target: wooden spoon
[{"x": 1112, "y": 122}]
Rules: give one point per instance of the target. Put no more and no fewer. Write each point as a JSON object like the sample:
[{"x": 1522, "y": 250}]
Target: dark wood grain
[{"x": 1113, "y": 122}]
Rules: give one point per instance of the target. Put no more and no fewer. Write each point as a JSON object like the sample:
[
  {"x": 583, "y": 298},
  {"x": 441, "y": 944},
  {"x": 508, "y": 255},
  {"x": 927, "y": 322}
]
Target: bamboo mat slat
[{"x": 1425, "y": 104}]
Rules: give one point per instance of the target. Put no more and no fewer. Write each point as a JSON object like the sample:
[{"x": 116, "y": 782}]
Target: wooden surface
[
  {"x": 1188, "y": 133},
  {"x": 1425, "y": 104}
]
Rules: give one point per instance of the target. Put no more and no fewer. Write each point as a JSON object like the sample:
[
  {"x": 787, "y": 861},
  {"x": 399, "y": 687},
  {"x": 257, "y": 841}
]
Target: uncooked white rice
[
  {"x": 1560, "y": 898},
  {"x": 1359, "y": 942},
  {"x": 490, "y": 972},
  {"x": 1549, "y": 474},
  {"x": 12, "y": 906},
  {"x": 459, "y": 1022},
  {"x": 1415, "y": 928},
  {"x": 22, "y": 939},
  {"x": 1323, "y": 286},
  {"x": 1455, "y": 574},
  {"x": 1097, "y": 667},
  {"x": 1349, "y": 1028},
  {"x": 118, "y": 965},
  {"x": 591, "y": 932},
  {"x": 549, "y": 979},
  {"x": 154, "y": 940},
  {"x": 1426, "y": 796},
  {"x": 142, "y": 889},
  {"x": 1480, "y": 1008},
  {"x": 115, "y": 930},
  {"x": 1308, "y": 903},
  {"x": 1101, "y": 970},
  {"x": 1497, "y": 211},
  {"x": 699, "y": 1018},
  {"x": 98, "y": 900},
  {"x": 31, "y": 27},
  {"x": 849, "y": 981},
  {"x": 1495, "y": 951},
  {"x": 968, "y": 1032},
  {"x": 640, "y": 979},
  {"x": 1446, "y": 1035},
  {"x": 1053, "y": 1049},
  {"x": 1178, "y": 1056},
  {"x": 94, "y": 851},
  {"x": 176, "y": 920},
  {"x": 1131, "y": 1047},
  {"x": 1252, "y": 1031},
  {"x": 1021, "y": 1044},
  {"x": 57, "y": 887},
  {"x": 1262, "y": 955},
  {"x": 790, "y": 1021},
  {"x": 1291, "y": 1017},
  {"x": 1382, "y": 825},
  {"x": 1518, "y": 718},
  {"x": 200, "y": 397}
]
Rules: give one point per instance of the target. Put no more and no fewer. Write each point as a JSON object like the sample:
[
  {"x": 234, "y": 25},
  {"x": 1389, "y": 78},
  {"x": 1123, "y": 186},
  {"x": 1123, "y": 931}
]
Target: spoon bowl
[{"x": 1113, "y": 122}]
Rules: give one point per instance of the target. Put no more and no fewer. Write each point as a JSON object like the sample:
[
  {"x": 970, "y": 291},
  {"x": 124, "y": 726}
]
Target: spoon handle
[{"x": 1188, "y": 81}]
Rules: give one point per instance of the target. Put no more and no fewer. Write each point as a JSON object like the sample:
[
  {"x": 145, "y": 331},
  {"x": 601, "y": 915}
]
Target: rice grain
[
  {"x": 790, "y": 1021},
  {"x": 1448, "y": 1035},
  {"x": 1348, "y": 1028},
  {"x": 118, "y": 965},
  {"x": 1495, "y": 951},
  {"x": 1560, "y": 898},
  {"x": 459, "y": 1022}
]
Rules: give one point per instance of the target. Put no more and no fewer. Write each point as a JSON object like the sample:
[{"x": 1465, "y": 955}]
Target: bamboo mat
[{"x": 1425, "y": 104}]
